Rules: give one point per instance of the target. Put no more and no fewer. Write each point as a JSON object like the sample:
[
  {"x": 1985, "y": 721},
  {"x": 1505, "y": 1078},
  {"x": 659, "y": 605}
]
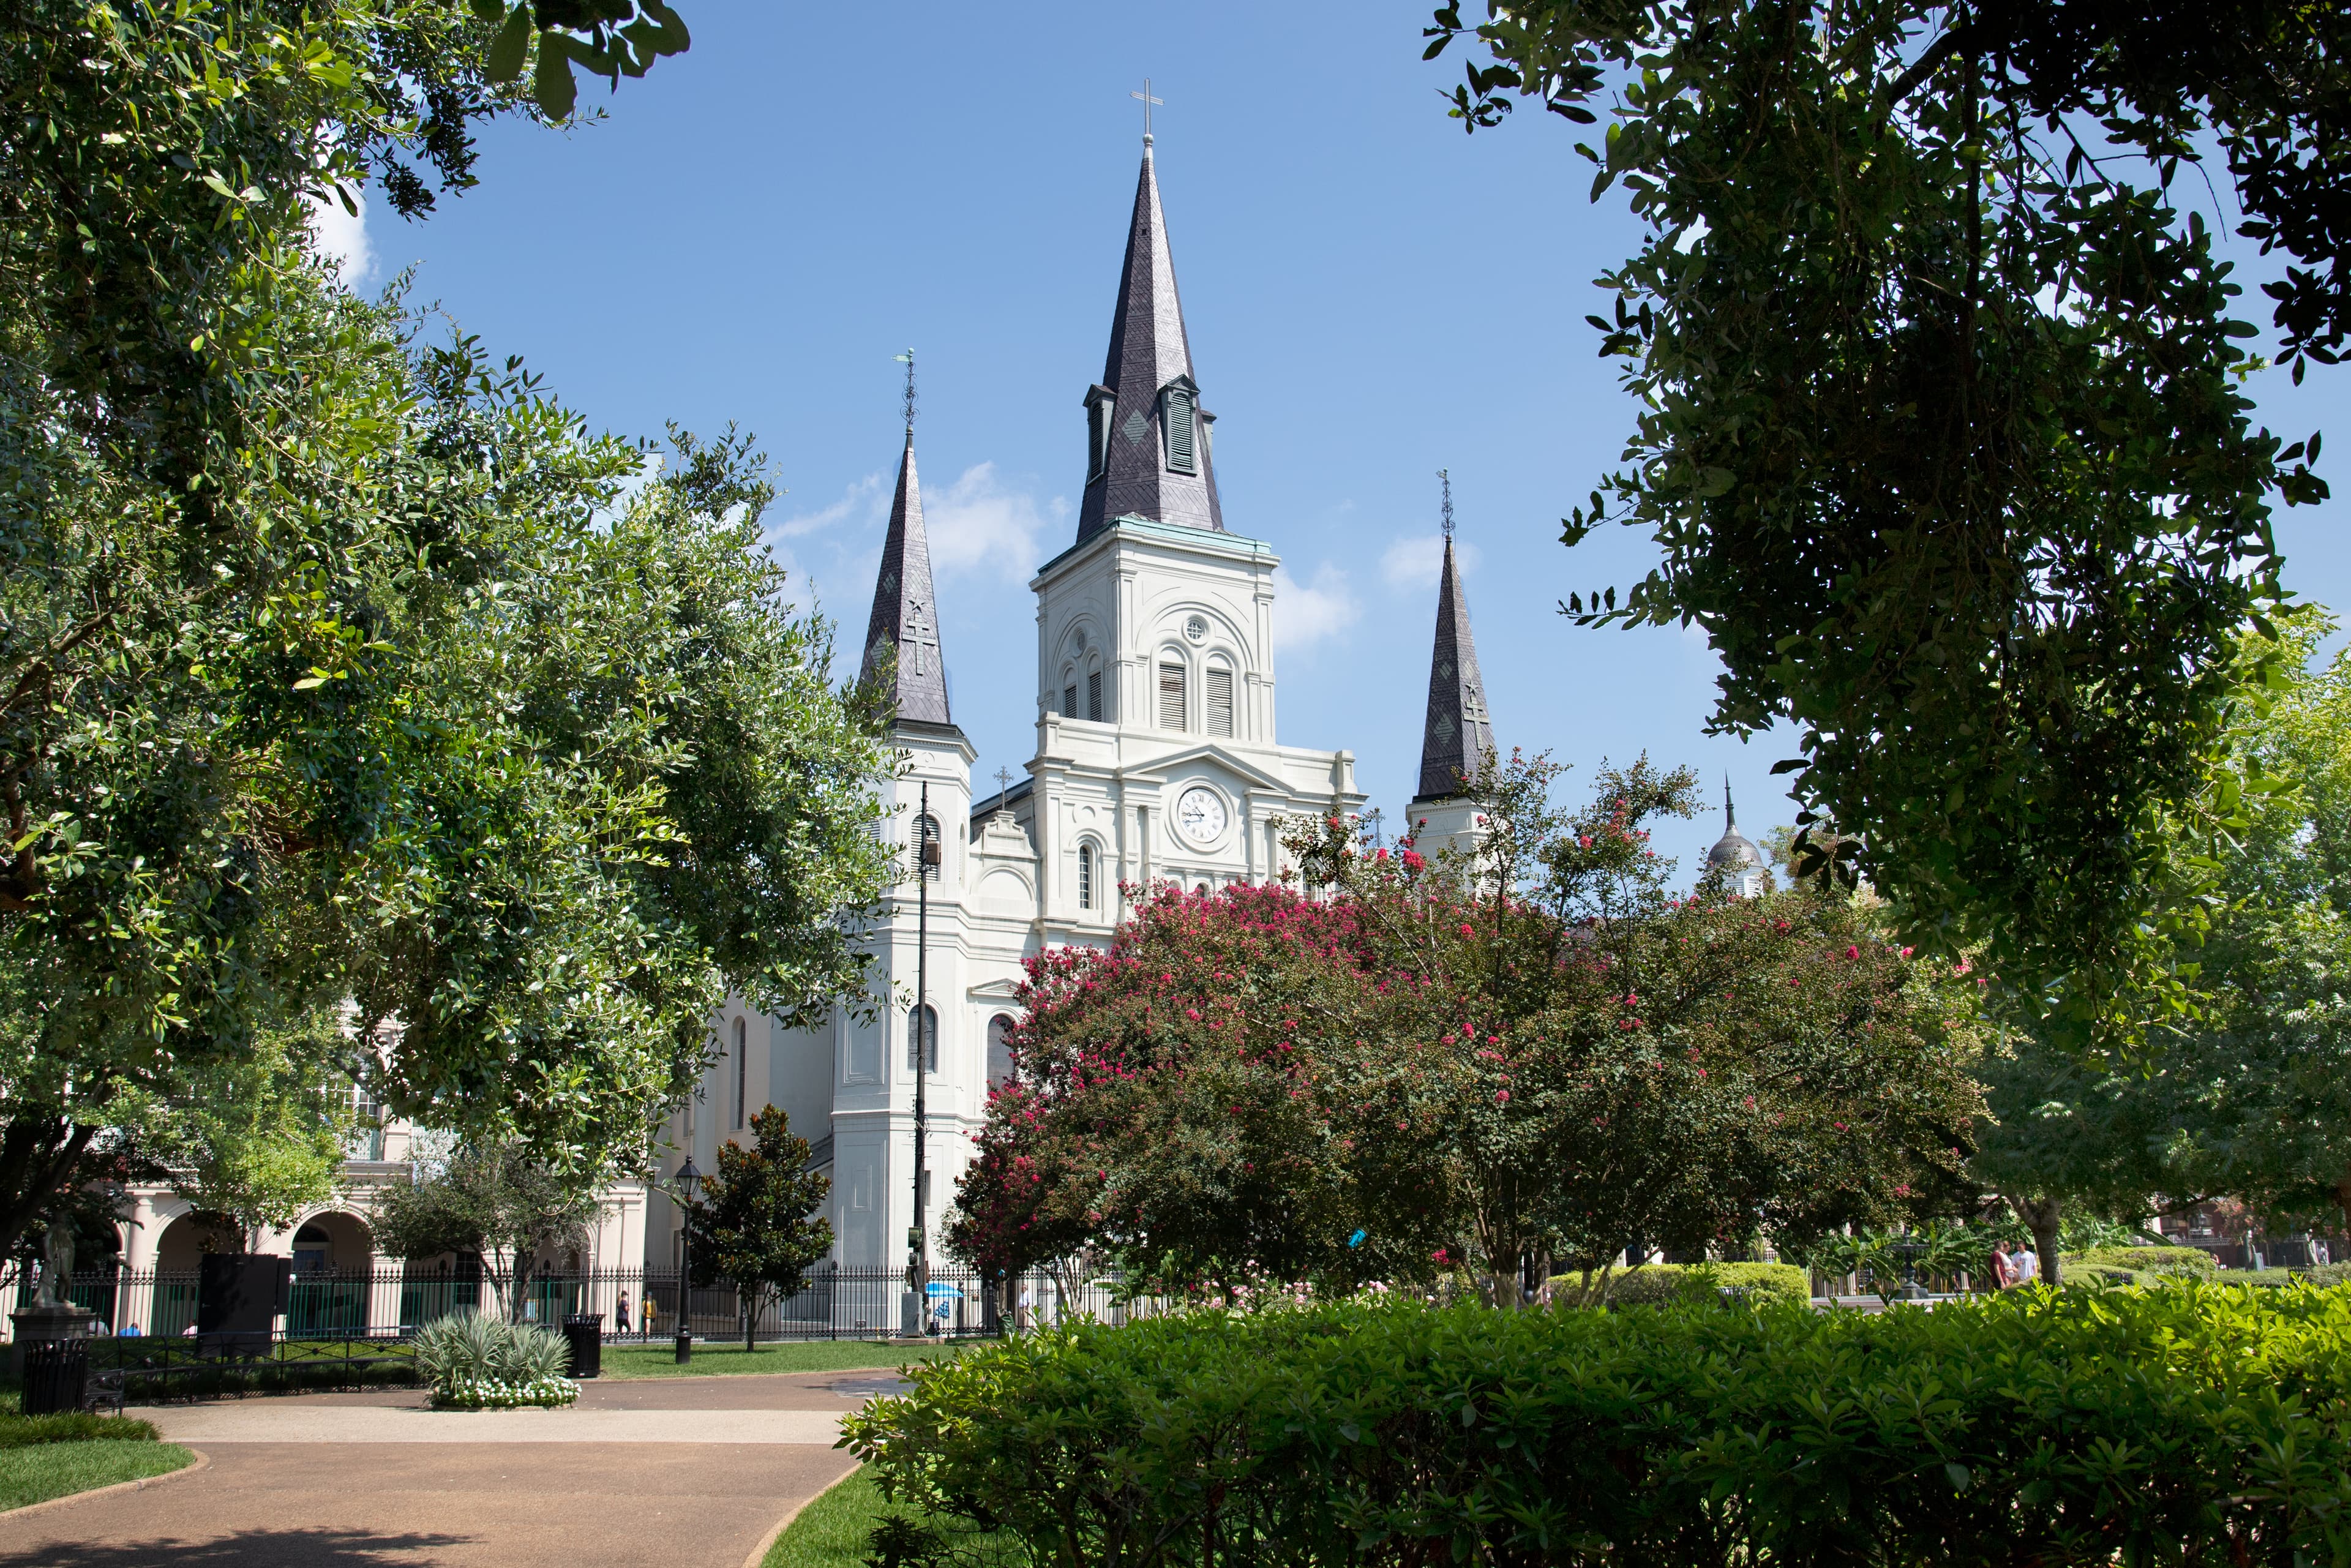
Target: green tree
[
  {"x": 1526, "y": 1057},
  {"x": 496, "y": 1202},
  {"x": 1941, "y": 428},
  {"x": 760, "y": 1224},
  {"x": 265, "y": 1133},
  {"x": 216, "y": 495}
]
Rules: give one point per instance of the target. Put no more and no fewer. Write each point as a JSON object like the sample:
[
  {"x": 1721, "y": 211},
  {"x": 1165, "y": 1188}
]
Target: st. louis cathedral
[{"x": 1158, "y": 760}]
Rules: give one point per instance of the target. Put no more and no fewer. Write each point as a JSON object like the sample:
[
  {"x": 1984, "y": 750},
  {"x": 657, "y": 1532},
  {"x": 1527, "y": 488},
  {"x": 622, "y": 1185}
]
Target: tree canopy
[{"x": 1940, "y": 424}]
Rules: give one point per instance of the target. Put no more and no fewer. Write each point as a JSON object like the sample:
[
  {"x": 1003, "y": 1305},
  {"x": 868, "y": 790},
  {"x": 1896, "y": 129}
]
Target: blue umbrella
[{"x": 937, "y": 1289}]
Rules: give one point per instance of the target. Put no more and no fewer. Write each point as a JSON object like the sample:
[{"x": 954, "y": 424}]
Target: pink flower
[
  {"x": 1853, "y": 952},
  {"x": 1838, "y": 1125},
  {"x": 1501, "y": 1096},
  {"x": 1466, "y": 930}
]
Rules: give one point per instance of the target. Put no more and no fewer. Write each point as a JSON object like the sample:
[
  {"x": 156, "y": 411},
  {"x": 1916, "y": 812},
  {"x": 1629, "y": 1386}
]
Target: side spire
[
  {"x": 905, "y": 619},
  {"x": 1459, "y": 732},
  {"x": 1148, "y": 449}
]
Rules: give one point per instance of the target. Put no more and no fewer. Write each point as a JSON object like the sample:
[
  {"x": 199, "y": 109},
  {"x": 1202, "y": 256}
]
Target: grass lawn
[
  {"x": 836, "y": 1530},
  {"x": 44, "y": 1470},
  {"x": 660, "y": 1358}
]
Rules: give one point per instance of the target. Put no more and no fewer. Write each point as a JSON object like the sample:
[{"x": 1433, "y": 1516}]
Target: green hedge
[
  {"x": 1654, "y": 1282},
  {"x": 2033, "y": 1426},
  {"x": 71, "y": 1427},
  {"x": 2143, "y": 1260}
]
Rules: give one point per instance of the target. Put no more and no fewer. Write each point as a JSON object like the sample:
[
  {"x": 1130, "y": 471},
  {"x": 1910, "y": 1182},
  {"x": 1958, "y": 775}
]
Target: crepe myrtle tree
[
  {"x": 1584, "y": 1062},
  {"x": 760, "y": 1223},
  {"x": 1529, "y": 1057}
]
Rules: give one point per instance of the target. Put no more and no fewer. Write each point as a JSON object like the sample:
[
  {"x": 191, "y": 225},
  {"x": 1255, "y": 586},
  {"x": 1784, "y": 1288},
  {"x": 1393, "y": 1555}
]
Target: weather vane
[
  {"x": 1445, "y": 476},
  {"x": 1147, "y": 101},
  {"x": 907, "y": 359}
]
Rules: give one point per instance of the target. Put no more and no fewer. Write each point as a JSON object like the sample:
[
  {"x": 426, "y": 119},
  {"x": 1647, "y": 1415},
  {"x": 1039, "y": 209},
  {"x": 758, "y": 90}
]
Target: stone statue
[{"x": 57, "y": 1265}]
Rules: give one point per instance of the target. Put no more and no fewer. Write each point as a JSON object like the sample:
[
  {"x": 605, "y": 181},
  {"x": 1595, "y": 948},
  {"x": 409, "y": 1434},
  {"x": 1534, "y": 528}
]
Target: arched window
[
  {"x": 1085, "y": 876},
  {"x": 1220, "y": 700},
  {"x": 1000, "y": 1048},
  {"x": 920, "y": 1022},
  {"x": 742, "y": 1070},
  {"x": 1070, "y": 694},
  {"x": 930, "y": 826},
  {"x": 1093, "y": 694},
  {"x": 1171, "y": 693}
]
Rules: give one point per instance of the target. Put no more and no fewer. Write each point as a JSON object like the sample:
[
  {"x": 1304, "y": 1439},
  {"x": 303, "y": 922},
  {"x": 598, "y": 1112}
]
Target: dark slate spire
[
  {"x": 1733, "y": 849},
  {"x": 906, "y": 617},
  {"x": 1147, "y": 450},
  {"x": 1458, "y": 734}
]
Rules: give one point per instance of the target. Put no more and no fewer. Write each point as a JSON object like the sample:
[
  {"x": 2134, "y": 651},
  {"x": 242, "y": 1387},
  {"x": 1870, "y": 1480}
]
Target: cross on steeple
[
  {"x": 1444, "y": 477},
  {"x": 920, "y": 634},
  {"x": 1147, "y": 101},
  {"x": 907, "y": 359},
  {"x": 1003, "y": 781}
]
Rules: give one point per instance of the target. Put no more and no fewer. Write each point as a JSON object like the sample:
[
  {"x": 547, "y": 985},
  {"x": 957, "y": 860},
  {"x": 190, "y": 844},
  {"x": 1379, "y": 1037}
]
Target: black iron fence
[{"x": 836, "y": 1304}]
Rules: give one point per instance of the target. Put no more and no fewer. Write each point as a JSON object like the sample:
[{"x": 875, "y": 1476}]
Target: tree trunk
[{"x": 2039, "y": 1216}]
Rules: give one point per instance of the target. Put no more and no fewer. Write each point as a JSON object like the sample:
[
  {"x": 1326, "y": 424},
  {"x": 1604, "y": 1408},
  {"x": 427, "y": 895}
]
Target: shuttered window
[
  {"x": 1220, "y": 701},
  {"x": 1085, "y": 876},
  {"x": 1178, "y": 418},
  {"x": 1093, "y": 696},
  {"x": 1171, "y": 697},
  {"x": 1069, "y": 702}
]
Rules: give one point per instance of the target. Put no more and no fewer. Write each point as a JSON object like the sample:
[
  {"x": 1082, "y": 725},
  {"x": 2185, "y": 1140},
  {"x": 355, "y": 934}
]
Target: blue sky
[{"x": 761, "y": 224}]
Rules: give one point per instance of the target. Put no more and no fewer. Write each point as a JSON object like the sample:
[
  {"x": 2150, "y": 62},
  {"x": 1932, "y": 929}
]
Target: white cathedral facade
[{"x": 1158, "y": 759}]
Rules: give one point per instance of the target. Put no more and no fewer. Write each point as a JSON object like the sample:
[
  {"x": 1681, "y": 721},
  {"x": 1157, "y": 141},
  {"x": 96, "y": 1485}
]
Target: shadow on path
[{"x": 316, "y": 1547}]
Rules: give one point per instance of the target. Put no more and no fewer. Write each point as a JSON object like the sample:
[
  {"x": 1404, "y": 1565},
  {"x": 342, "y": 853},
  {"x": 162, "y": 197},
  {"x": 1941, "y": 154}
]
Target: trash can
[
  {"x": 585, "y": 1331},
  {"x": 57, "y": 1372}
]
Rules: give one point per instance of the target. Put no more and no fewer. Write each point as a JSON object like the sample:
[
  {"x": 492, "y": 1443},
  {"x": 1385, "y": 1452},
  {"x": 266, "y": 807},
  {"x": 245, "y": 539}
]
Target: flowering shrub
[
  {"x": 2193, "y": 1423},
  {"x": 473, "y": 1394},
  {"x": 1520, "y": 1061},
  {"x": 476, "y": 1362}
]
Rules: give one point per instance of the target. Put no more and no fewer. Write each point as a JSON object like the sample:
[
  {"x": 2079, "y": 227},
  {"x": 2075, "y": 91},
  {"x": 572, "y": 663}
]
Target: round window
[{"x": 1196, "y": 628}]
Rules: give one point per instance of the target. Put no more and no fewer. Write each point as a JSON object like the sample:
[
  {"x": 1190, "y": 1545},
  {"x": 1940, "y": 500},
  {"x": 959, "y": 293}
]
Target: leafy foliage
[
  {"x": 499, "y": 1202},
  {"x": 1941, "y": 430},
  {"x": 2199, "y": 1421},
  {"x": 339, "y": 670},
  {"x": 1532, "y": 1056},
  {"x": 760, "y": 1222},
  {"x": 472, "y": 1361}
]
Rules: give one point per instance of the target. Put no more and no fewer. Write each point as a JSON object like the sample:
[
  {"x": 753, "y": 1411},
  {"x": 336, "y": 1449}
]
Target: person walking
[
  {"x": 649, "y": 1315},
  {"x": 2003, "y": 1268},
  {"x": 620, "y": 1316},
  {"x": 2028, "y": 1265}
]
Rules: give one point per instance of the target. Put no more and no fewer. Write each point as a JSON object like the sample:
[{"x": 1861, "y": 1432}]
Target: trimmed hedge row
[
  {"x": 2196, "y": 1422},
  {"x": 1652, "y": 1283}
]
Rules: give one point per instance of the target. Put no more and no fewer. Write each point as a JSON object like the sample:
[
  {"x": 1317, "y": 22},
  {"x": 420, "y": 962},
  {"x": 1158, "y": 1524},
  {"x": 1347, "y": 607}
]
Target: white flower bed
[{"x": 487, "y": 1394}]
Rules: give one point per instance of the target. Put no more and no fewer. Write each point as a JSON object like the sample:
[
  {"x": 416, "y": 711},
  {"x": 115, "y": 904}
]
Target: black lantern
[{"x": 688, "y": 1180}]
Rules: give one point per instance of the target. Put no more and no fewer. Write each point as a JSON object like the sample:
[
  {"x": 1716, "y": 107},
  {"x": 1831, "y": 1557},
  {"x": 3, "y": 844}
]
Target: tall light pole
[
  {"x": 687, "y": 1178},
  {"x": 927, "y": 857}
]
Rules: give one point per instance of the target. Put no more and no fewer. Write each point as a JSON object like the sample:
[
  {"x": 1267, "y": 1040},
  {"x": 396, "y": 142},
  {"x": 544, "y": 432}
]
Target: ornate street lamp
[{"x": 688, "y": 1178}]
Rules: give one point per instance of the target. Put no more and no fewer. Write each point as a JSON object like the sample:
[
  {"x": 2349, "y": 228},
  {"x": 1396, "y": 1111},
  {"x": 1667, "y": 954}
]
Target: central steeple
[
  {"x": 903, "y": 631},
  {"x": 1147, "y": 448}
]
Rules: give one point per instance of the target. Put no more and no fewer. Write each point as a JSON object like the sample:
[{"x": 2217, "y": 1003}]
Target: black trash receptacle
[
  {"x": 57, "y": 1373},
  {"x": 585, "y": 1331}
]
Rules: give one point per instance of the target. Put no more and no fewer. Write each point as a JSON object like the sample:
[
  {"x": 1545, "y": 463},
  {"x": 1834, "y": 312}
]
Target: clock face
[{"x": 1200, "y": 812}]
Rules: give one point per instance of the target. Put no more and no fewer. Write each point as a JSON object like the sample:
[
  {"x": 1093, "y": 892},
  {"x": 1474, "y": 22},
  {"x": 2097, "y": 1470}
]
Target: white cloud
[
  {"x": 1417, "y": 560},
  {"x": 1306, "y": 613},
  {"x": 867, "y": 497},
  {"x": 976, "y": 525},
  {"x": 342, "y": 236}
]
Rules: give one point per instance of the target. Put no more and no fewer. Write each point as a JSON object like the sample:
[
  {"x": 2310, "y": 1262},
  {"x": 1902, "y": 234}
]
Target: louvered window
[
  {"x": 930, "y": 828},
  {"x": 1085, "y": 876},
  {"x": 1093, "y": 696},
  {"x": 1171, "y": 697},
  {"x": 1069, "y": 702},
  {"x": 1220, "y": 701},
  {"x": 922, "y": 1028},
  {"x": 1177, "y": 415}
]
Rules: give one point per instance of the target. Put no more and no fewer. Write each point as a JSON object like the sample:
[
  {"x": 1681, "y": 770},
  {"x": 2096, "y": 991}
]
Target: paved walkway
[{"x": 678, "y": 1473}]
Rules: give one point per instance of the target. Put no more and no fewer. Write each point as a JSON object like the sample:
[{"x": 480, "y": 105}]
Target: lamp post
[
  {"x": 688, "y": 1178},
  {"x": 914, "y": 1319}
]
